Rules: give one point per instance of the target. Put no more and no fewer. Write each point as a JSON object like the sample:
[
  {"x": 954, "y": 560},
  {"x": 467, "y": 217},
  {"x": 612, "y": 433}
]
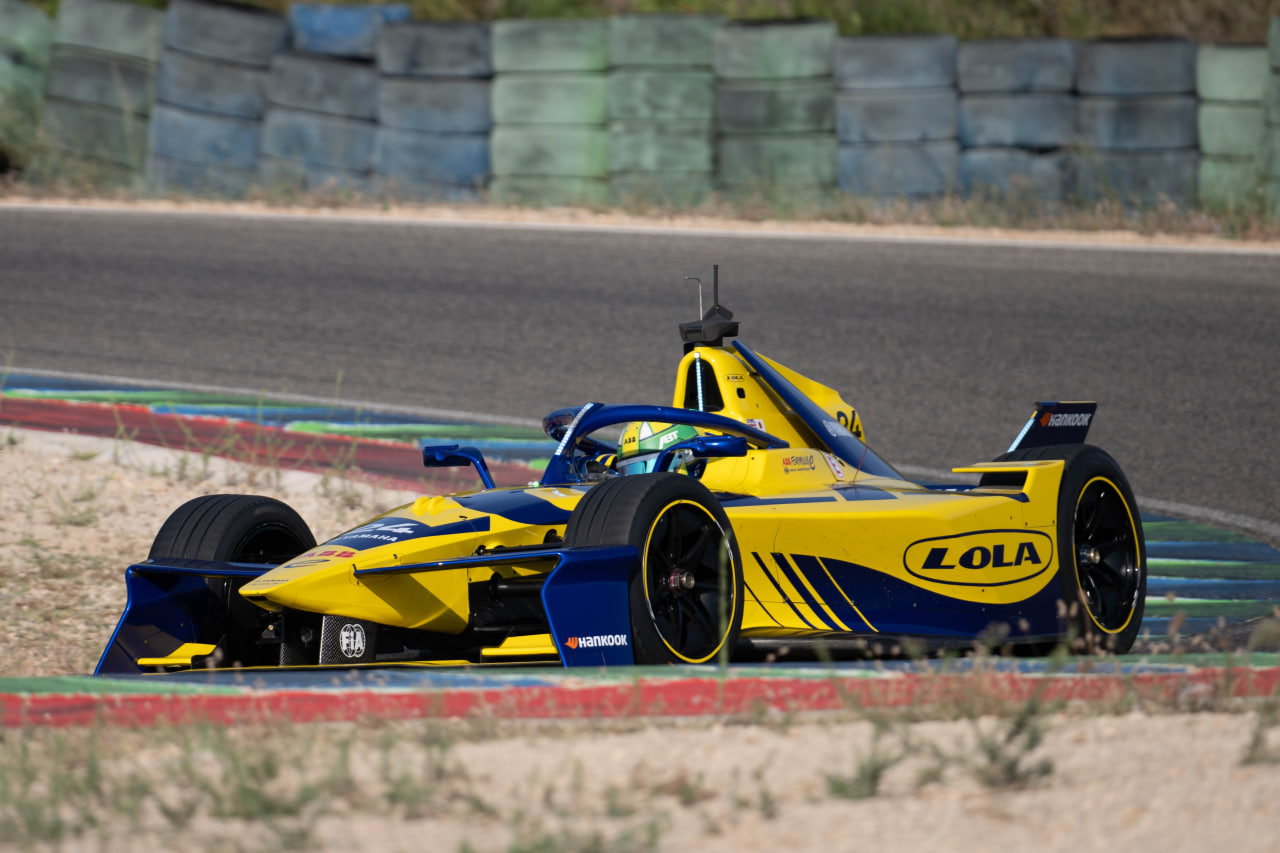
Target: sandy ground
[
  {"x": 689, "y": 222},
  {"x": 74, "y": 511}
]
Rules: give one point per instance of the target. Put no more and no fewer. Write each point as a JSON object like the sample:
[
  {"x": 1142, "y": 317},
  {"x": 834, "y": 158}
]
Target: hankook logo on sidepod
[{"x": 981, "y": 558}]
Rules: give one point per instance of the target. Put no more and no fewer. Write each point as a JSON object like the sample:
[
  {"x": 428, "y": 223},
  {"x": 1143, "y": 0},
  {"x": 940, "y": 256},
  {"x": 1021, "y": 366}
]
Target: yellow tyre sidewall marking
[
  {"x": 731, "y": 587},
  {"x": 1075, "y": 548}
]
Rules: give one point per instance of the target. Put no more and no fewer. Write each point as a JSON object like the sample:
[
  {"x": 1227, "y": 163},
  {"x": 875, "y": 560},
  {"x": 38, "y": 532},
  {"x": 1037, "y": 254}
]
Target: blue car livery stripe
[
  {"x": 518, "y": 506},
  {"x": 832, "y": 595}
]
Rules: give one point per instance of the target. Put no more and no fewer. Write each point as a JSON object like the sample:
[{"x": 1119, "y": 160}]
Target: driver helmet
[{"x": 643, "y": 442}]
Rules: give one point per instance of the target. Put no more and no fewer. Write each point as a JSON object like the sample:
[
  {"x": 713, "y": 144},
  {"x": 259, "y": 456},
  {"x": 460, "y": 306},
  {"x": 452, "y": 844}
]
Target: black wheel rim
[
  {"x": 1106, "y": 553},
  {"x": 268, "y": 544},
  {"x": 692, "y": 606}
]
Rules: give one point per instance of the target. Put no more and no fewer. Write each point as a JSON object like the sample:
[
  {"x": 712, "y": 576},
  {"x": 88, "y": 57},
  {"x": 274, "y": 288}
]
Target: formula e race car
[{"x": 747, "y": 515}]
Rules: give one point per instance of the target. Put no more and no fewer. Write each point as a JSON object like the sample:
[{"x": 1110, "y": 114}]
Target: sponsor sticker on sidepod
[{"x": 381, "y": 532}]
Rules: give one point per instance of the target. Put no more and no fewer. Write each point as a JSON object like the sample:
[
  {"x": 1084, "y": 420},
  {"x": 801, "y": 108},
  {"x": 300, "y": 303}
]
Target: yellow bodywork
[{"x": 987, "y": 546}]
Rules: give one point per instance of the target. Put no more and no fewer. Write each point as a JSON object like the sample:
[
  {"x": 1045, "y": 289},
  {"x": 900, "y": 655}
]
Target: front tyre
[
  {"x": 1102, "y": 553},
  {"x": 686, "y": 592}
]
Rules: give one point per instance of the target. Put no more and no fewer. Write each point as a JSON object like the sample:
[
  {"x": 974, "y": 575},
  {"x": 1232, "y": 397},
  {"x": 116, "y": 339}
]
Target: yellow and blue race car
[{"x": 749, "y": 514}]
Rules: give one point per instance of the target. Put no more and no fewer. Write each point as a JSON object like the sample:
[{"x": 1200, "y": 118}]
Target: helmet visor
[{"x": 642, "y": 464}]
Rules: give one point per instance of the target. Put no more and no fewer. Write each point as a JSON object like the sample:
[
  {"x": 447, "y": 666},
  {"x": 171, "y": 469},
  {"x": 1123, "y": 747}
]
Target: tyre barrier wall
[
  {"x": 1231, "y": 83},
  {"x": 661, "y": 108},
  {"x": 896, "y": 116},
  {"x": 434, "y": 109},
  {"x": 26, "y": 40},
  {"x": 211, "y": 94},
  {"x": 669, "y": 106},
  {"x": 775, "y": 109},
  {"x": 100, "y": 89},
  {"x": 1136, "y": 120},
  {"x": 550, "y": 113},
  {"x": 1016, "y": 116},
  {"x": 1270, "y": 158}
]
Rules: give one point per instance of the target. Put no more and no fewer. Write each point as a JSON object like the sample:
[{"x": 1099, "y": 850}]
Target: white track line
[{"x": 746, "y": 232}]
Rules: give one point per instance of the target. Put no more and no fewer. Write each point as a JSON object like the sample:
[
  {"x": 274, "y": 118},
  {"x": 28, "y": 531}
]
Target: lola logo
[
  {"x": 984, "y": 558},
  {"x": 596, "y": 641}
]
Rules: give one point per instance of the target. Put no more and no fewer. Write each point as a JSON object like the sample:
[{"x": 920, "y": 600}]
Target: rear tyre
[
  {"x": 686, "y": 590},
  {"x": 1102, "y": 553}
]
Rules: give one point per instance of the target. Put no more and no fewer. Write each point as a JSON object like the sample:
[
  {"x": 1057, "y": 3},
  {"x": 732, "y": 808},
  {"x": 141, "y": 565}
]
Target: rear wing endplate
[{"x": 1056, "y": 423}]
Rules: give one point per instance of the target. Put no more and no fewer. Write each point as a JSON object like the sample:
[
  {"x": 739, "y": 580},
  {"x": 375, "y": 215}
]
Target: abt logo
[{"x": 596, "y": 641}]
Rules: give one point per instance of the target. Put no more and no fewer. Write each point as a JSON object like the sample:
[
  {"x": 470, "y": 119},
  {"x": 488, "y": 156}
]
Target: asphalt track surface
[{"x": 942, "y": 347}]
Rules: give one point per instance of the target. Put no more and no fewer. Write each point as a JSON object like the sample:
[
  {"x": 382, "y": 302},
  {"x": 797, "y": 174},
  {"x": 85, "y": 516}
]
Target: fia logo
[{"x": 351, "y": 640}]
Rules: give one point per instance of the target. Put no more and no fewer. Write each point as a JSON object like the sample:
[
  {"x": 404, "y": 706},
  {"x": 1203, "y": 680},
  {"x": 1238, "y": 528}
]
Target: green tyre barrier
[
  {"x": 429, "y": 159},
  {"x": 776, "y": 106},
  {"x": 435, "y": 105},
  {"x": 661, "y": 95},
  {"x": 126, "y": 29},
  {"x": 675, "y": 189},
  {"x": 20, "y": 84},
  {"x": 662, "y": 41},
  {"x": 1273, "y": 43},
  {"x": 555, "y": 98},
  {"x": 1230, "y": 130},
  {"x": 106, "y": 134},
  {"x": 1231, "y": 73},
  {"x": 1021, "y": 121},
  {"x": 171, "y": 175},
  {"x": 1124, "y": 67},
  {"x": 109, "y": 80},
  {"x": 549, "y": 192},
  {"x": 1012, "y": 171},
  {"x": 1141, "y": 177},
  {"x": 897, "y": 169},
  {"x": 1009, "y": 66},
  {"x": 896, "y": 62},
  {"x": 1271, "y": 102},
  {"x": 1229, "y": 181},
  {"x": 548, "y": 152},
  {"x": 896, "y": 115},
  {"x": 287, "y": 174},
  {"x": 550, "y": 45},
  {"x": 324, "y": 85},
  {"x": 21, "y": 91},
  {"x": 669, "y": 146},
  {"x": 453, "y": 49},
  {"x": 1139, "y": 123},
  {"x": 773, "y": 50},
  {"x": 770, "y": 159},
  {"x": 204, "y": 138},
  {"x": 25, "y": 32},
  {"x": 211, "y": 85},
  {"x": 246, "y": 35},
  {"x": 332, "y": 142}
]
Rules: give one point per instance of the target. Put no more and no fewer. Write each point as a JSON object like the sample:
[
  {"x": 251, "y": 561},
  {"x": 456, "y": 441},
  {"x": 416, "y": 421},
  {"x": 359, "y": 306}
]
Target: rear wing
[{"x": 1055, "y": 423}]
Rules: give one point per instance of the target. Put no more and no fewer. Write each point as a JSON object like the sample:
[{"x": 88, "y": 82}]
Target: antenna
[
  {"x": 699, "y": 281},
  {"x": 712, "y": 325}
]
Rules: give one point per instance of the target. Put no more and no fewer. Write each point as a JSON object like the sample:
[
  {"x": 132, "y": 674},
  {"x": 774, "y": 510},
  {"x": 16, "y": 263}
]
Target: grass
[
  {"x": 550, "y": 785},
  {"x": 1202, "y": 20}
]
